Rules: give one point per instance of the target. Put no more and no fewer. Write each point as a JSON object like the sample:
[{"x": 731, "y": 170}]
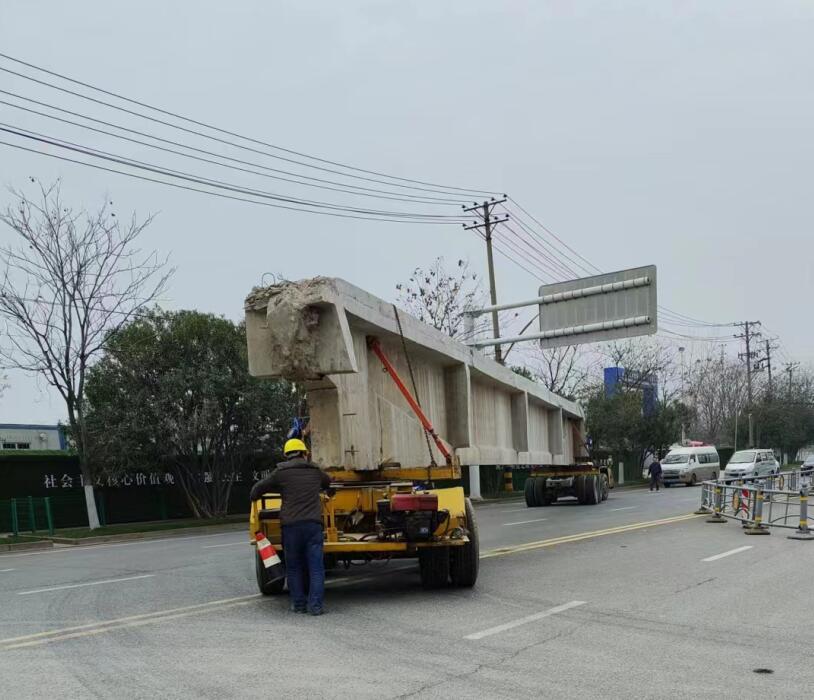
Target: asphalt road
[{"x": 571, "y": 602}]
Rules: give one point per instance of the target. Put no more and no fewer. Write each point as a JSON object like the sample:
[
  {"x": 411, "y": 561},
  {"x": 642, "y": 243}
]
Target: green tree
[
  {"x": 173, "y": 389},
  {"x": 618, "y": 424},
  {"x": 786, "y": 419}
]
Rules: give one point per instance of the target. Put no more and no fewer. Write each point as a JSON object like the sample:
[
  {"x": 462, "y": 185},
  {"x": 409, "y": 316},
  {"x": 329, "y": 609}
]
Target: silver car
[{"x": 751, "y": 464}]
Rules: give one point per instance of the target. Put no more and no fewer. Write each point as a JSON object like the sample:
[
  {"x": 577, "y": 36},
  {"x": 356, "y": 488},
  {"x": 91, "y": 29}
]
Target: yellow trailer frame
[{"x": 348, "y": 513}]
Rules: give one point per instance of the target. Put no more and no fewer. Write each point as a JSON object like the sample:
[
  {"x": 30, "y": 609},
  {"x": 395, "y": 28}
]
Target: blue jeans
[{"x": 302, "y": 546}]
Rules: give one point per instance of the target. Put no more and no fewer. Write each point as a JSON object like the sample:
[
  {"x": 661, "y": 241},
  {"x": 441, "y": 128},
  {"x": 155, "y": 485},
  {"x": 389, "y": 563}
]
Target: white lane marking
[
  {"x": 525, "y": 620},
  {"x": 625, "y": 508},
  {"x": 227, "y": 544},
  {"x": 103, "y": 626},
  {"x": 737, "y": 550},
  {"x": 88, "y": 583},
  {"x": 4, "y": 571},
  {"x": 523, "y": 522},
  {"x": 513, "y": 510}
]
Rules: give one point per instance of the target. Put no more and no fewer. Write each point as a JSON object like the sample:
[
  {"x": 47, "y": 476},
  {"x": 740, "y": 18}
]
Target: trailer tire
[
  {"x": 529, "y": 492},
  {"x": 605, "y": 486},
  {"x": 433, "y": 566},
  {"x": 579, "y": 489},
  {"x": 266, "y": 586},
  {"x": 542, "y": 494},
  {"x": 465, "y": 561},
  {"x": 591, "y": 490}
]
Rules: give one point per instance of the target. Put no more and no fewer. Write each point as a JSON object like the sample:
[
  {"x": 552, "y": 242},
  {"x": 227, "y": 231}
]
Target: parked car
[
  {"x": 690, "y": 465},
  {"x": 807, "y": 467},
  {"x": 751, "y": 464}
]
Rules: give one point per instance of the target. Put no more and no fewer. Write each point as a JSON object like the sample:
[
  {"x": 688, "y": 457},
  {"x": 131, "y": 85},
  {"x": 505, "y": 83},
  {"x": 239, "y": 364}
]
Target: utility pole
[
  {"x": 749, "y": 335},
  {"x": 484, "y": 210},
  {"x": 790, "y": 367},
  {"x": 683, "y": 375},
  {"x": 767, "y": 359}
]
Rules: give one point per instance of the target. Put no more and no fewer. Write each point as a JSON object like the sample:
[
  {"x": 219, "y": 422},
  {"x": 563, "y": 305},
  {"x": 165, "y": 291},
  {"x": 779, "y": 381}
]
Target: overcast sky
[{"x": 674, "y": 133}]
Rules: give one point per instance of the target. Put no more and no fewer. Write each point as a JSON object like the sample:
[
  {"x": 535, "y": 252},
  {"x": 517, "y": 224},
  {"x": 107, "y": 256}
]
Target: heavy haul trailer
[
  {"x": 386, "y": 516},
  {"x": 388, "y": 513},
  {"x": 587, "y": 483},
  {"x": 354, "y": 354}
]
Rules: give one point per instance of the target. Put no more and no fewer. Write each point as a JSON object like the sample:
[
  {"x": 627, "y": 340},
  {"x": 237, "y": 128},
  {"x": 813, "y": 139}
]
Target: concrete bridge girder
[{"x": 315, "y": 331}]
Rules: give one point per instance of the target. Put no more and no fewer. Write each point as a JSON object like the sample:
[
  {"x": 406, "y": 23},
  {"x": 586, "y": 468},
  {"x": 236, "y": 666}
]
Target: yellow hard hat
[{"x": 294, "y": 445}]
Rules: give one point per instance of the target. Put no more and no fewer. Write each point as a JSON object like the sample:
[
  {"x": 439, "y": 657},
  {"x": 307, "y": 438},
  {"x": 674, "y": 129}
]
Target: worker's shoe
[
  {"x": 316, "y": 611},
  {"x": 299, "y": 609}
]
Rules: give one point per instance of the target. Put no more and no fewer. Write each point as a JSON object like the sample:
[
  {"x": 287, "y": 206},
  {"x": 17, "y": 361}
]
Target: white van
[{"x": 690, "y": 465}]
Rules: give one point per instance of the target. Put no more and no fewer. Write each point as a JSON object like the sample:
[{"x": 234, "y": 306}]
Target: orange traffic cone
[{"x": 275, "y": 570}]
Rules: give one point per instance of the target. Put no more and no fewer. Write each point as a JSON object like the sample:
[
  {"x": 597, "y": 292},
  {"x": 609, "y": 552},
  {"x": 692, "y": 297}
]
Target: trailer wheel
[
  {"x": 579, "y": 489},
  {"x": 433, "y": 565},
  {"x": 605, "y": 490},
  {"x": 543, "y": 495},
  {"x": 465, "y": 561},
  {"x": 591, "y": 490},
  {"x": 266, "y": 586},
  {"x": 529, "y": 493}
]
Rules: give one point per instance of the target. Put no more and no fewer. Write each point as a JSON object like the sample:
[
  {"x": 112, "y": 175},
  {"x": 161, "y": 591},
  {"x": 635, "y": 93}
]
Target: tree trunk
[
  {"x": 76, "y": 420},
  {"x": 90, "y": 496}
]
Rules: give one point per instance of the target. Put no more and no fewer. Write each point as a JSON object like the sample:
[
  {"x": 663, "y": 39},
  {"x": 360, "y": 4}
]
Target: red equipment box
[{"x": 413, "y": 501}]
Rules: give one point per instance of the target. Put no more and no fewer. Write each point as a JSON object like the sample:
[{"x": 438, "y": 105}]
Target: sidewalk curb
[
  {"x": 151, "y": 535},
  {"x": 22, "y": 546}
]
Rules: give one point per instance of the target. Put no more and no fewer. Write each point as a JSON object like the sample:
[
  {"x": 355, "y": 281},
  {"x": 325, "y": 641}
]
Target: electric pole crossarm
[
  {"x": 485, "y": 211},
  {"x": 492, "y": 222}
]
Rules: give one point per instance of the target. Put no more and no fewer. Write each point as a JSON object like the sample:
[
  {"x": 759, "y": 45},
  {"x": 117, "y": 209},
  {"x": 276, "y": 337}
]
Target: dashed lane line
[
  {"x": 95, "y": 628},
  {"x": 728, "y": 553},
  {"x": 86, "y": 583},
  {"x": 524, "y": 620},
  {"x": 244, "y": 542}
]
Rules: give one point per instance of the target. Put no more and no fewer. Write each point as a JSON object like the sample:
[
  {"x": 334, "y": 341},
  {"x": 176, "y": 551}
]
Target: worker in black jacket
[
  {"x": 655, "y": 474},
  {"x": 299, "y": 482}
]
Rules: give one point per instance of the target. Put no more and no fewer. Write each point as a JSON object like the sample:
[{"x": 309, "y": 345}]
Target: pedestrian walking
[{"x": 655, "y": 473}]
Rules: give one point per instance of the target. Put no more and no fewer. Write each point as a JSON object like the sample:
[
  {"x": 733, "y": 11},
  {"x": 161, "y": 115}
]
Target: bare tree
[
  {"x": 716, "y": 391},
  {"x": 75, "y": 277},
  {"x": 565, "y": 370},
  {"x": 439, "y": 297},
  {"x": 646, "y": 363}
]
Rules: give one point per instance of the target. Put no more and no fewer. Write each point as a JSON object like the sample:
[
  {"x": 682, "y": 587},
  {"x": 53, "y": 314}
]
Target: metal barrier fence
[
  {"x": 776, "y": 501},
  {"x": 26, "y": 515}
]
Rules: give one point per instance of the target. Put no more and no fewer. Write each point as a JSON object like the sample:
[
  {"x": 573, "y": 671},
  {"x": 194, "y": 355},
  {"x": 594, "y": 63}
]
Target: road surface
[{"x": 572, "y": 601}]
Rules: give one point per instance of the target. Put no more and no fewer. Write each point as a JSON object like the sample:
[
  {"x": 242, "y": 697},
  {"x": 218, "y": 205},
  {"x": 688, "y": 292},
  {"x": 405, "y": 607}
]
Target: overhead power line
[
  {"x": 305, "y": 180},
  {"x": 219, "y": 184},
  {"x": 544, "y": 255},
  {"x": 553, "y": 235},
  {"x": 209, "y": 192},
  {"x": 435, "y": 187}
]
